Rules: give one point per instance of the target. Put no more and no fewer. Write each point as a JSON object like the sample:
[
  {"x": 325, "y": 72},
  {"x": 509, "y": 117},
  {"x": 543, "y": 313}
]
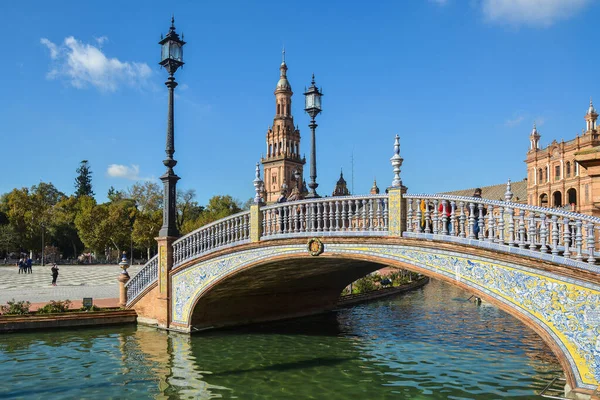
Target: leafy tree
[
  {"x": 8, "y": 239},
  {"x": 147, "y": 195},
  {"x": 115, "y": 195},
  {"x": 88, "y": 221},
  {"x": 218, "y": 207},
  {"x": 188, "y": 210},
  {"x": 145, "y": 229},
  {"x": 63, "y": 228},
  {"x": 119, "y": 222},
  {"x": 29, "y": 211},
  {"x": 83, "y": 182},
  {"x": 247, "y": 204}
]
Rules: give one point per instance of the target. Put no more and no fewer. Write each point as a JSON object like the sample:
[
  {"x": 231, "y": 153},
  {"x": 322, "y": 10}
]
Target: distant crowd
[{"x": 24, "y": 265}]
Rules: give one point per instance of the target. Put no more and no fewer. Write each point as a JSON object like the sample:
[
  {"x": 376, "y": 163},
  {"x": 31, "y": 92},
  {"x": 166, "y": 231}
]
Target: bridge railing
[
  {"x": 144, "y": 278},
  {"x": 330, "y": 216},
  {"x": 542, "y": 232},
  {"x": 229, "y": 231}
]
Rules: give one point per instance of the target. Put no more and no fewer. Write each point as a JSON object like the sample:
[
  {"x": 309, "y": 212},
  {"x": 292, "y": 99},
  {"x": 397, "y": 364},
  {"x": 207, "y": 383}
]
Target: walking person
[
  {"x": 28, "y": 265},
  {"x": 54, "y": 270},
  {"x": 21, "y": 265}
]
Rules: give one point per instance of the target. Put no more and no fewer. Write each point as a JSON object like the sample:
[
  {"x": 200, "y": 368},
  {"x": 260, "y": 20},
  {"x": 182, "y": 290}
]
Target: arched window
[
  {"x": 540, "y": 175},
  {"x": 543, "y": 200},
  {"x": 288, "y": 110},
  {"x": 278, "y": 108},
  {"x": 557, "y": 199},
  {"x": 568, "y": 169},
  {"x": 572, "y": 196}
]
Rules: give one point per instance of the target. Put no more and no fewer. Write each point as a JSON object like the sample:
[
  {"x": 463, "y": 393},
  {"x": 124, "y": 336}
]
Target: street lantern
[
  {"x": 171, "y": 50},
  {"x": 312, "y": 99},
  {"x": 313, "y": 108},
  {"x": 171, "y": 60}
]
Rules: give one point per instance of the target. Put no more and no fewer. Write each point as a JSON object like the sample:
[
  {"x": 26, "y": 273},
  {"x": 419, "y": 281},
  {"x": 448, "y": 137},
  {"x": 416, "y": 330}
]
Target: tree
[
  {"x": 115, "y": 195},
  {"x": 8, "y": 239},
  {"x": 88, "y": 221},
  {"x": 188, "y": 210},
  {"x": 63, "y": 228},
  {"x": 247, "y": 204},
  {"x": 148, "y": 200},
  {"x": 83, "y": 182},
  {"x": 218, "y": 207},
  {"x": 145, "y": 229},
  {"x": 147, "y": 196}
]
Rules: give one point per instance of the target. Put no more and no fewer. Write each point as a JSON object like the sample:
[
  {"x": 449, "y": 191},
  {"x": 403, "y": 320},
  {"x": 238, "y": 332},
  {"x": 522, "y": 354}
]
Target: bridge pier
[{"x": 155, "y": 309}]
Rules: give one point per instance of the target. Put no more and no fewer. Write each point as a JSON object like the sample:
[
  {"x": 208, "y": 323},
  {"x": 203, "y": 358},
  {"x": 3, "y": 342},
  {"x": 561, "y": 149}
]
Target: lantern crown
[
  {"x": 313, "y": 99},
  {"x": 171, "y": 50}
]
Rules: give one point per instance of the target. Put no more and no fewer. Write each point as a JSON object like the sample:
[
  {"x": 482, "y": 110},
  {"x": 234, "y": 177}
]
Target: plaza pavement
[{"x": 74, "y": 283}]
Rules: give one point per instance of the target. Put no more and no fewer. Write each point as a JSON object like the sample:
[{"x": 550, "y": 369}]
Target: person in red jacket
[{"x": 448, "y": 213}]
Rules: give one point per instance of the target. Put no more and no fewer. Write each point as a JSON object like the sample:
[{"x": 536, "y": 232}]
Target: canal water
[{"x": 428, "y": 344}]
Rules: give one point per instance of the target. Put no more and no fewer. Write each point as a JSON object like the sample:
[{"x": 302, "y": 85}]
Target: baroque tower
[{"x": 282, "y": 159}]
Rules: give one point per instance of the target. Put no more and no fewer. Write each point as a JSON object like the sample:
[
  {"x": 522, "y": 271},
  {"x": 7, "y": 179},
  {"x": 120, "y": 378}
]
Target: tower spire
[
  {"x": 282, "y": 161},
  {"x": 591, "y": 117},
  {"x": 534, "y": 139}
]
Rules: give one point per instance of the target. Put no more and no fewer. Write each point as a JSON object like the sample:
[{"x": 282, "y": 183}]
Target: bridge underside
[{"x": 280, "y": 289}]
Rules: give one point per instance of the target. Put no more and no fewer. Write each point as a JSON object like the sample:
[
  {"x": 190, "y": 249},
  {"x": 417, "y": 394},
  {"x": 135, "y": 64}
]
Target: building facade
[
  {"x": 566, "y": 174},
  {"x": 282, "y": 164}
]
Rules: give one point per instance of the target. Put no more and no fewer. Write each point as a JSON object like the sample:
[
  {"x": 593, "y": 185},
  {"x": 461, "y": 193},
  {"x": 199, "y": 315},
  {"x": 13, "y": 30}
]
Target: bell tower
[
  {"x": 534, "y": 139},
  {"x": 282, "y": 163}
]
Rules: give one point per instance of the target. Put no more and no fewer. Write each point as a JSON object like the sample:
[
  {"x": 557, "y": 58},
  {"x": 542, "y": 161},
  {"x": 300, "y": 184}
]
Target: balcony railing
[{"x": 329, "y": 216}]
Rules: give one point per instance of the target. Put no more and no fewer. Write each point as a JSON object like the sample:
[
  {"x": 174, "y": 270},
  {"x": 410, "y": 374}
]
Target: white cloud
[
  {"x": 530, "y": 12},
  {"x": 83, "y": 64},
  {"x": 514, "y": 122},
  {"x": 123, "y": 171},
  {"x": 51, "y": 46},
  {"x": 101, "y": 40}
]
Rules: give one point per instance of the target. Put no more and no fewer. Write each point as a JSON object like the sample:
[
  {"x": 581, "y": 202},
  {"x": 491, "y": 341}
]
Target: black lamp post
[
  {"x": 313, "y": 108},
  {"x": 171, "y": 59}
]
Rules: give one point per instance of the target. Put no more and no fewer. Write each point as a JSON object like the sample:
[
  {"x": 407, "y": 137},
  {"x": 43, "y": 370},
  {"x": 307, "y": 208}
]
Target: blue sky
[{"x": 460, "y": 81}]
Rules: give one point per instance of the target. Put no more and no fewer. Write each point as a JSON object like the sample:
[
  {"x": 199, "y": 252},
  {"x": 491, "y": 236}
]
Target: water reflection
[{"x": 430, "y": 344}]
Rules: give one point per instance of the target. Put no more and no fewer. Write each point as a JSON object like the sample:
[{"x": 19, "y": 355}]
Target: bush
[
  {"x": 13, "y": 307},
  {"x": 55, "y": 307},
  {"x": 364, "y": 285},
  {"x": 92, "y": 308}
]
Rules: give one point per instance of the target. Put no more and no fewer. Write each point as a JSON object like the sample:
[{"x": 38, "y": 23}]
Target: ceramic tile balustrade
[{"x": 549, "y": 234}]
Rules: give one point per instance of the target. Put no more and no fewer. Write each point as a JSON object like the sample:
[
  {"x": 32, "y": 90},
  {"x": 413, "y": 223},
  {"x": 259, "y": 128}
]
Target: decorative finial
[
  {"x": 283, "y": 55},
  {"x": 124, "y": 264},
  {"x": 172, "y": 23},
  {"x": 508, "y": 195},
  {"x": 257, "y": 185},
  {"x": 396, "y": 161},
  {"x": 313, "y": 79}
]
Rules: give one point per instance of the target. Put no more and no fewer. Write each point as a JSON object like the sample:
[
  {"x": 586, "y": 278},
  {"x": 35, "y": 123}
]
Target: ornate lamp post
[
  {"x": 313, "y": 108},
  {"x": 171, "y": 60}
]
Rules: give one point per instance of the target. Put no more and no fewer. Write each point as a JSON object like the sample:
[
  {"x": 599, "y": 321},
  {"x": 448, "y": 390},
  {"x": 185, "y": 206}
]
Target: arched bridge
[{"x": 538, "y": 264}]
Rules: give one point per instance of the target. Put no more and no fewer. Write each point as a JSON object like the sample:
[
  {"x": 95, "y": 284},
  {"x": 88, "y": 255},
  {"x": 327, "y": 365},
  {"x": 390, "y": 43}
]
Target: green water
[{"x": 427, "y": 344}]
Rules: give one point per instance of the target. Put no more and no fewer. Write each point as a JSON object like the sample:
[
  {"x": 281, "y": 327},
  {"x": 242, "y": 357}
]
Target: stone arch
[
  {"x": 530, "y": 295},
  {"x": 543, "y": 200}
]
